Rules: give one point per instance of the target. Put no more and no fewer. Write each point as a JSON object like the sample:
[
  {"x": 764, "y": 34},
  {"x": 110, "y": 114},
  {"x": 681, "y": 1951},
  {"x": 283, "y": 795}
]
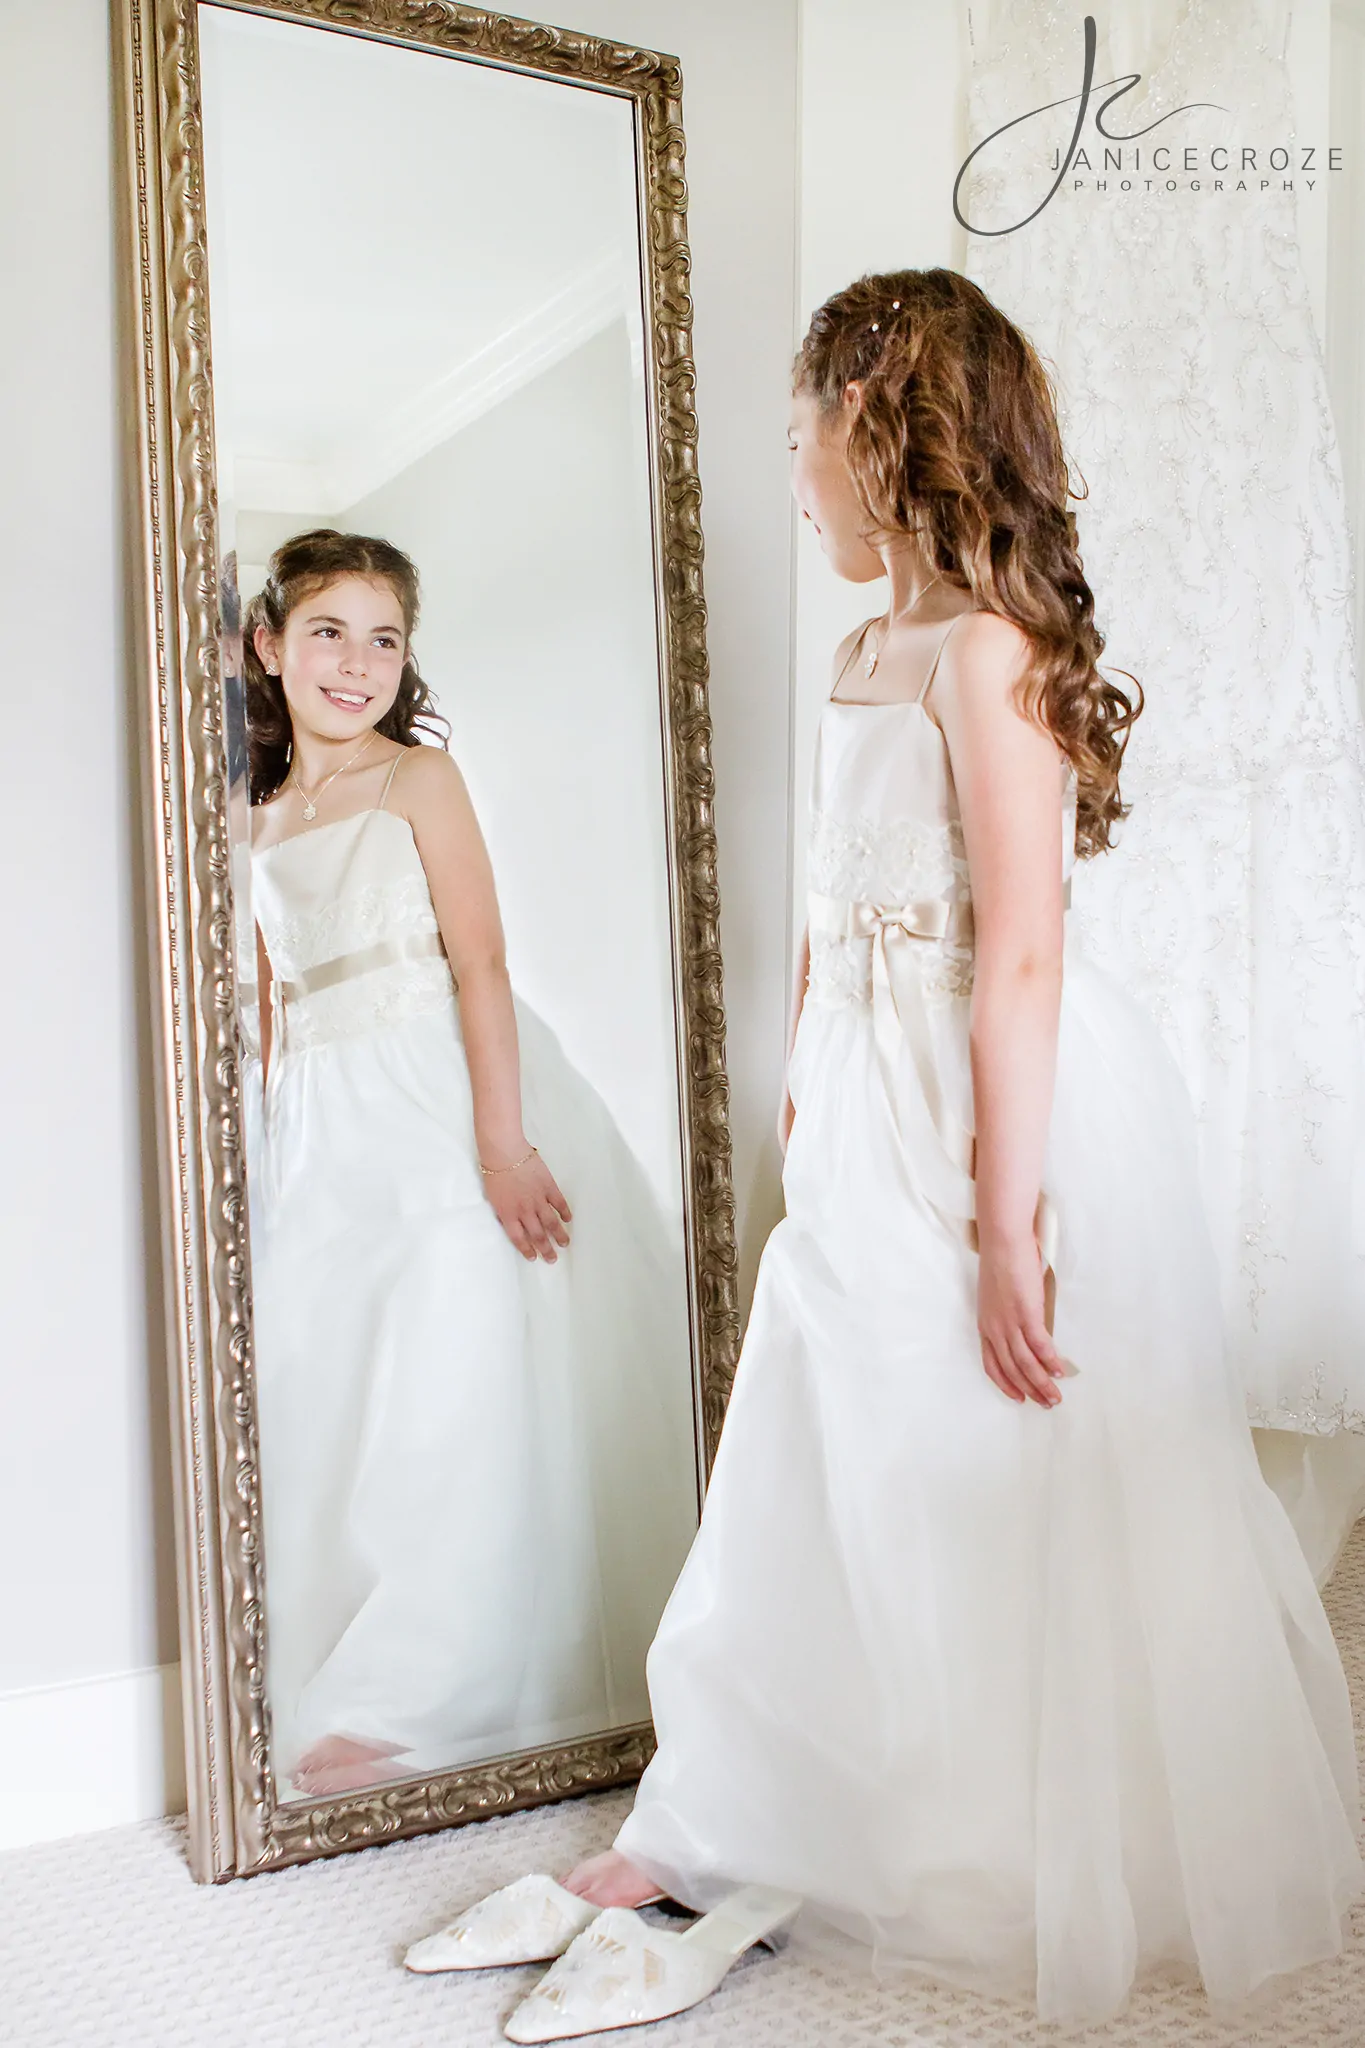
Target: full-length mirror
[
  {"x": 445, "y": 763},
  {"x": 478, "y": 1470}
]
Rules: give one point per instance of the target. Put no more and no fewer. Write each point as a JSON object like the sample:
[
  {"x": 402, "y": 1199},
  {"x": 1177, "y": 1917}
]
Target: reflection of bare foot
[
  {"x": 611, "y": 1880},
  {"x": 339, "y": 1763}
]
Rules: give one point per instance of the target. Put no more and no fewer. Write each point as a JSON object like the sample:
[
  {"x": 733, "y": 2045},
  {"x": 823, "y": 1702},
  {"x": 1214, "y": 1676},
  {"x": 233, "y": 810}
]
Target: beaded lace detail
[
  {"x": 380, "y": 910},
  {"x": 371, "y": 1002},
  {"x": 872, "y": 860}
]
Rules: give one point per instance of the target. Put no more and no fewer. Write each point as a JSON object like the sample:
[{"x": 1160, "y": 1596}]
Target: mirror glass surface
[{"x": 478, "y": 1473}]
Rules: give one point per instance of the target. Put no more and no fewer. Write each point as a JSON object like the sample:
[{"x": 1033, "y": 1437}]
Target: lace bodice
[
  {"x": 335, "y": 894},
  {"x": 885, "y": 829}
]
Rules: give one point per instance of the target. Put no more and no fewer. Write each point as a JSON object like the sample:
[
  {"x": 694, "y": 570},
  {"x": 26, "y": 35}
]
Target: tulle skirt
[
  {"x": 478, "y": 1477},
  {"x": 1033, "y": 1701}
]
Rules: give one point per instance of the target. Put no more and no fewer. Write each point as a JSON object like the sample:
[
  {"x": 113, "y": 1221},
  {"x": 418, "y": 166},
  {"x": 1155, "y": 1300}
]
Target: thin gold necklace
[
  {"x": 870, "y": 665},
  {"x": 310, "y": 803}
]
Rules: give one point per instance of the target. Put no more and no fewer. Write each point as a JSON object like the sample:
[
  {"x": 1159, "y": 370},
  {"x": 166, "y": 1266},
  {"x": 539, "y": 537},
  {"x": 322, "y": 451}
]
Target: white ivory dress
[
  {"x": 1031, "y": 1701},
  {"x": 478, "y": 1477}
]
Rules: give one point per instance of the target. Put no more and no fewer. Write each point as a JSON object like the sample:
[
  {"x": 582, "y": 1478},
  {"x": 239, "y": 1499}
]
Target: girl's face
[
  {"x": 823, "y": 486},
  {"x": 340, "y": 657}
]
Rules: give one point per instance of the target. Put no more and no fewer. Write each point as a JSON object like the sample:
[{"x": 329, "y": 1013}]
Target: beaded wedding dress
[
  {"x": 477, "y": 1473},
  {"x": 1193, "y": 403},
  {"x": 1031, "y": 1701}
]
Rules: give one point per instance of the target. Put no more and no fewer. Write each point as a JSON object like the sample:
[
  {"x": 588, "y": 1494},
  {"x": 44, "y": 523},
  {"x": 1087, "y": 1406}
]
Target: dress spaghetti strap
[
  {"x": 397, "y": 761},
  {"x": 933, "y": 666}
]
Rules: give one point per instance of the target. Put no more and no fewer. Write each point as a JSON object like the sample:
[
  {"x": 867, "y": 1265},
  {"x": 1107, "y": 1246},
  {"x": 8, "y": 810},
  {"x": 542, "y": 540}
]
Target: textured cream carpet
[{"x": 106, "y": 1943}]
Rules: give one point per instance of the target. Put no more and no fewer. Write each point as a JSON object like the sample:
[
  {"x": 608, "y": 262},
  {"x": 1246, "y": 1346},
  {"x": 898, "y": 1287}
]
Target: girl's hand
[
  {"x": 531, "y": 1209},
  {"x": 1016, "y": 1350}
]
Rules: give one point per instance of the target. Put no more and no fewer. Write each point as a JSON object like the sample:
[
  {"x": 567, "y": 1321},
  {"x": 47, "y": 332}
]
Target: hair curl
[
  {"x": 956, "y": 442},
  {"x": 298, "y": 569}
]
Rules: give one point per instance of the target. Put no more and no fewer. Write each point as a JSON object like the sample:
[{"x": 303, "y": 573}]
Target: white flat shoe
[
  {"x": 531, "y": 1921},
  {"x": 621, "y": 1972}
]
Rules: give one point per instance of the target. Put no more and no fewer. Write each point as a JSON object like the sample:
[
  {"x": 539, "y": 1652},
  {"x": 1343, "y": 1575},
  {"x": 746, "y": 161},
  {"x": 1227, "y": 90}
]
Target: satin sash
[
  {"x": 939, "y": 1150},
  {"x": 386, "y": 953}
]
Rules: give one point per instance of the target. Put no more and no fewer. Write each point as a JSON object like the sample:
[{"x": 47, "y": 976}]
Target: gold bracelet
[{"x": 507, "y": 1169}]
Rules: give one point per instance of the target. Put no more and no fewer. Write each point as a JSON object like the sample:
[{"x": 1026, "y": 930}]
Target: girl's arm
[
  {"x": 264, "y": 1013},
  {"x": 1008, "y": 774},
  {"x": 786, "y": 1113},
  {"x": 430, "y": 792}
]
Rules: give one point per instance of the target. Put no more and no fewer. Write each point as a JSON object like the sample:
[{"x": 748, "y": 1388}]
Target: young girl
[
  {"x": 994, "y": 1652},
  {"x": 456, "y": 1413}
]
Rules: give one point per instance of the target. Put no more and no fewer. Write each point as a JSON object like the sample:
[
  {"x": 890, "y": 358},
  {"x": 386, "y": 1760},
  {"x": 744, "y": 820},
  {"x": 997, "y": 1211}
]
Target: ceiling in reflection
[{"x": 463, "y": 229}]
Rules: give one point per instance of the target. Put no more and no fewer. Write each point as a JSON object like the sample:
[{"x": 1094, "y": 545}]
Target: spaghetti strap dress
[
  {"x": 457, "y": 1446},
  {"x": 1032, "y": 1701}
]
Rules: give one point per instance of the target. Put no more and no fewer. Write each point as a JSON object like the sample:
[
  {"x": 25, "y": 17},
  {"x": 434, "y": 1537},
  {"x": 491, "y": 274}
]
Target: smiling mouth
[{"x": 347, "y": 700}]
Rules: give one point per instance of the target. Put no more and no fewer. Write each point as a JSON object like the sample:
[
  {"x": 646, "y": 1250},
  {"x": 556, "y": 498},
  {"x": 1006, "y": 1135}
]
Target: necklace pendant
[{"x": 310, "y": 810}]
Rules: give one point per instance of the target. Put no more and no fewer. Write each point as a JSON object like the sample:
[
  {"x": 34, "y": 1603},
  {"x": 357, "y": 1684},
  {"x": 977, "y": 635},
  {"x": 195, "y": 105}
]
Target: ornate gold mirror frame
[{"x": 237, "y": 1825}]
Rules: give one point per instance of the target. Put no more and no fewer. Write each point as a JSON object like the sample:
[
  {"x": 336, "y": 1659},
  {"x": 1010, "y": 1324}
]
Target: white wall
[
  {"x": 84, "y": 1470},
  {"x": 88, "y": 1602}
]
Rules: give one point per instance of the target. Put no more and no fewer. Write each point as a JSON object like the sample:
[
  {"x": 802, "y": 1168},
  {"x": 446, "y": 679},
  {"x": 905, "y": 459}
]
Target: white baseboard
[{"x": 74, "y": 1758}]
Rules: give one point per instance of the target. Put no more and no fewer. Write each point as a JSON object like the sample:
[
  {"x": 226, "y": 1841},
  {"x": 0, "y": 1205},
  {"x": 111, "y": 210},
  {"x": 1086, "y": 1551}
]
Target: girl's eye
[{"x": 323, "y": 630}]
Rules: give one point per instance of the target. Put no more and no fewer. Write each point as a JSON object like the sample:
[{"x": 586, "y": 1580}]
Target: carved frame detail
[{"x": 236, "y": 1824}]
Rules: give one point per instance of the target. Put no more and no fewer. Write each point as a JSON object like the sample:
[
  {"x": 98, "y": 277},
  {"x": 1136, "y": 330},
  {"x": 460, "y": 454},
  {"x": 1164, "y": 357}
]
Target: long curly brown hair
[
  {"x": 298, "y": 569},
  {"x": 956, "y": 442}
]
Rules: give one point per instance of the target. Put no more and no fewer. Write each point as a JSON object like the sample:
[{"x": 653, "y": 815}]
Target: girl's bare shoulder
[
  {"x": 985, "y": 653},
  {"x": 428, "y": 777},
  {"x": 986, "y": 636}
]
